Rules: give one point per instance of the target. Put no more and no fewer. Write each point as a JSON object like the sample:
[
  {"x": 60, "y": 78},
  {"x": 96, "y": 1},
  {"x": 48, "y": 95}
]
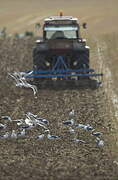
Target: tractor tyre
[
  {"x": 38, "y": 63},
  {"x": 83, "y": 60}
]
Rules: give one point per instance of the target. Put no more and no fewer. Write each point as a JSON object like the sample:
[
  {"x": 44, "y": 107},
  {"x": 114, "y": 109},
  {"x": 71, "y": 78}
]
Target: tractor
[{"x": 61, "y": 53}]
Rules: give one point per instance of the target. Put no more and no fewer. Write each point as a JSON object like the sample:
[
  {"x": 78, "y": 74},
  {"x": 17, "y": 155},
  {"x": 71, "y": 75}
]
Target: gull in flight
[
  {"x": 29, "y": 122},
  {"x": 24, "y": 83},
  {"x": 37, "y": 121},
  {"x": 20, "y": 79}
]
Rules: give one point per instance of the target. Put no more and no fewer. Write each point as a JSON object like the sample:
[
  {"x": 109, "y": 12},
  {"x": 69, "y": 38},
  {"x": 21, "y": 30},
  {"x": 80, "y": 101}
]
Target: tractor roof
[
  {"x": 61, "y": 20},
  {"x": 53, "y": 18}
]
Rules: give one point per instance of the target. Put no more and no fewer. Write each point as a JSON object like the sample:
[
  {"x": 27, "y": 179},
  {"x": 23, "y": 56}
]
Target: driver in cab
[{"x": 58, "y": 35}]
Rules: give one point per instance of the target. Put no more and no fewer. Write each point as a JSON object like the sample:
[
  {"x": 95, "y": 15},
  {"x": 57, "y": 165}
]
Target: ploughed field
[{"x": 29, "y": 158}]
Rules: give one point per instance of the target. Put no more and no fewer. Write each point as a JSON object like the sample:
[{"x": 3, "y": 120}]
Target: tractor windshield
[{"x": 61, "y": 32}]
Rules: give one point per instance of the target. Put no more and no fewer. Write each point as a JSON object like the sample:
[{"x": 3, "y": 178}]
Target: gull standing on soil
[
  {"x": 71, "y": 130},
  {"x": 69, "y": 122},
  {"x": 88, "y": 127},
  {"x": 44, "y": 121},
  {"x": 44, "y": 135},
  {"x": 40, "y": 137},
  {"x": 51, "y": 137},
  {"x": 85, "y": 127},
  {"x": 99, "y": 142},
  {"x": 28, "y": 127},
  {"x": 72, "y": 113},
  {"x": 13, "y": 134},
  {"x": 81, "y": 126},
  {"x": 96, "y": 134},
  {"x": 8, "y": 118},
  {"x": 22, "y": 133},
  {"x": 5, "y": 136},
  {"x": 78, "y": 141}
]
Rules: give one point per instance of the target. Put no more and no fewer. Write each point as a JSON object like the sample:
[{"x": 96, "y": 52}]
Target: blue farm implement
[{"x": 60, "y": 70}]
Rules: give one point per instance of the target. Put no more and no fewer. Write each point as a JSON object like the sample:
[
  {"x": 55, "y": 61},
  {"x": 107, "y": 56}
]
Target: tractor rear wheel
[
  {"x": 83, "y": 62},
  {"x": 38, "y": 63}
]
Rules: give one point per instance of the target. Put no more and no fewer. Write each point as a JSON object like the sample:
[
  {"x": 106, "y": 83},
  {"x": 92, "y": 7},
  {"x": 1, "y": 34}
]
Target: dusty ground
[{"x": 59, "y": 159}]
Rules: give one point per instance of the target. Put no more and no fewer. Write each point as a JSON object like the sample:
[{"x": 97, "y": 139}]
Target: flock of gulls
[
  {"x": 20, "y": 80},
  {"x": 31, "y": 121}
]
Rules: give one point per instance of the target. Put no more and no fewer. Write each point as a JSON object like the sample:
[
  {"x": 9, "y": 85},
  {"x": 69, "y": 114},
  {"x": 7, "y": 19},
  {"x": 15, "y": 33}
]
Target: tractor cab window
[{"x": 61, "y": 32}]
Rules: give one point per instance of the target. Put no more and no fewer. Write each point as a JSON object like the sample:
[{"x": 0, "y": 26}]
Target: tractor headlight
[{"x": 75, "y": 63}]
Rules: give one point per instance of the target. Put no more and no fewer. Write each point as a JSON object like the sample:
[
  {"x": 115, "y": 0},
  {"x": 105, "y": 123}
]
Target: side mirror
[
  {"x": 37, "y": 26},
  {"x": 84, "y": 25}
]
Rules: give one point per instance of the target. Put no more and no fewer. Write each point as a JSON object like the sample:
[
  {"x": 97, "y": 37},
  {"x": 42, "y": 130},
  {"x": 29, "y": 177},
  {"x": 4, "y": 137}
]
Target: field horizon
[{"x": 19, "y": 16}]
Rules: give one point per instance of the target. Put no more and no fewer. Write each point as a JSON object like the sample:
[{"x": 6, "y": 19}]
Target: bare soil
[{"x": 29, "y": 158}]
